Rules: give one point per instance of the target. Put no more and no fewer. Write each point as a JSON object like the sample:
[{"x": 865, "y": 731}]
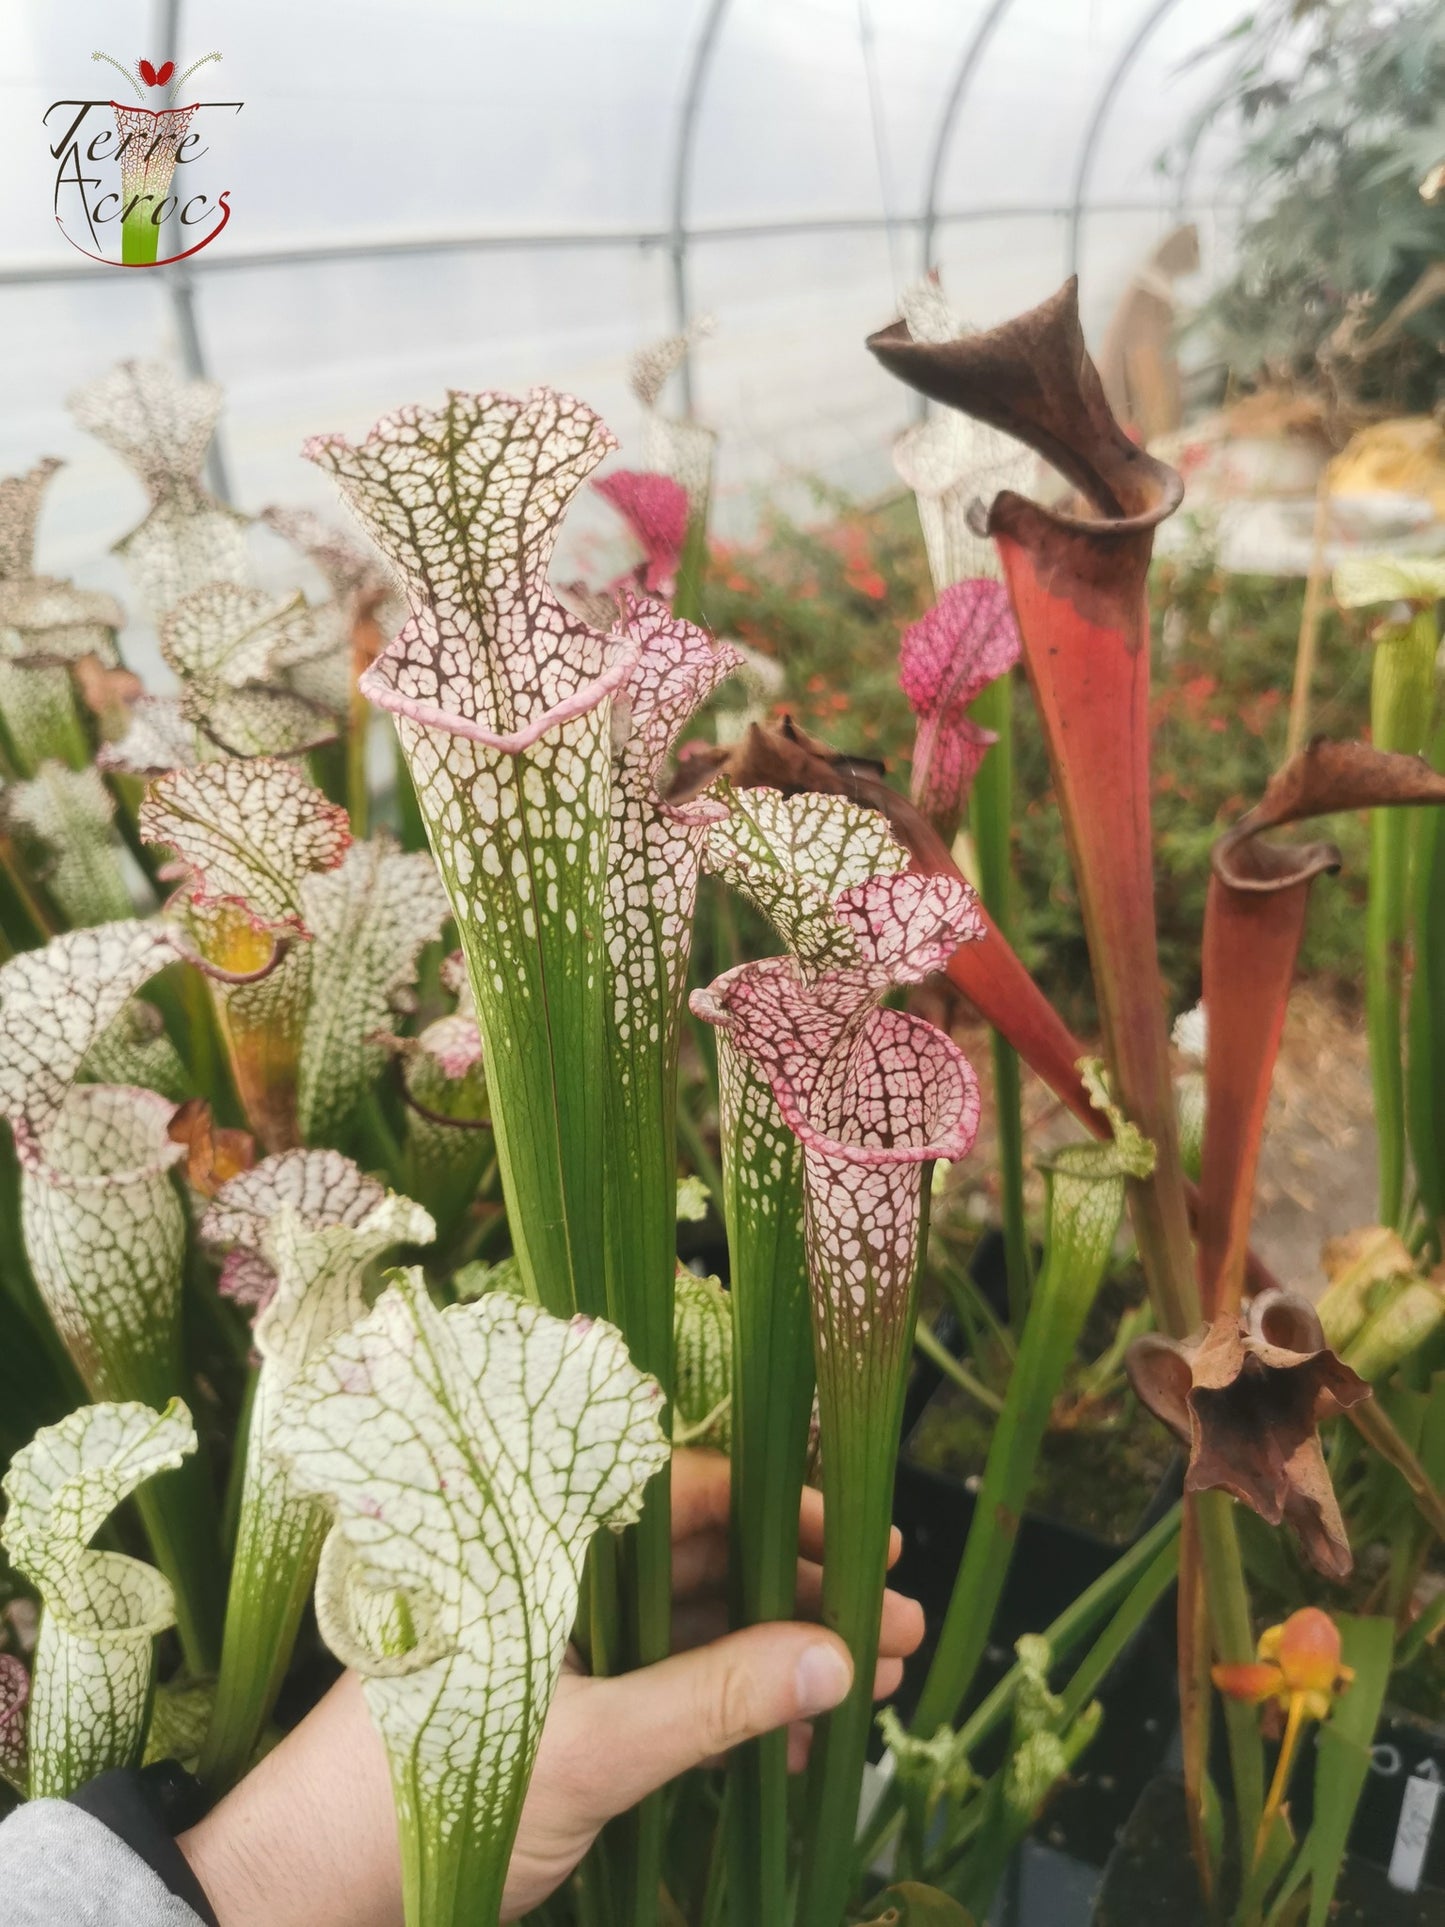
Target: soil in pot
[
  {"x": 1098, "y": 1470},
  {"x": 1096, "y": 1478}
]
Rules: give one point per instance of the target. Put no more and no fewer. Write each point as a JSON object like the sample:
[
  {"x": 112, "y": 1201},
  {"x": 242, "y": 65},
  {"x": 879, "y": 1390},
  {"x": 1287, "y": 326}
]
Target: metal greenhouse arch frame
[
  {"x": 682, "y": 178},
  {"x": 969, "y": 64},
  {"x": 1153, "y": 16},
  {"x": 677, "y": 234}
]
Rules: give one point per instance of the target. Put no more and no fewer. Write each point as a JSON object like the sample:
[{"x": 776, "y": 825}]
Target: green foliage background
[{"x": 1343, "y": 104}]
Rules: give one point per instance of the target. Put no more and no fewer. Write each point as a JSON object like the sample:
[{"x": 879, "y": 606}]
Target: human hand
[
  {"x": 608, "y": 1743},
  {"x": 308, "y": 1838}
]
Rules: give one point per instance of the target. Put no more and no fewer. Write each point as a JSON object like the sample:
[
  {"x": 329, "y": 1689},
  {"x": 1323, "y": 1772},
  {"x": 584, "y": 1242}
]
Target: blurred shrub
[{"x": 1341, "y": 105}]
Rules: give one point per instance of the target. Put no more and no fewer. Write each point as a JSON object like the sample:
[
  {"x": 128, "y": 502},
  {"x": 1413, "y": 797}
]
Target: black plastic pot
[
  {"x": 1150, "y": 1877},
  {"x": 1053, "y": 1563},
  {"x": 1111, "y": 1814},
  {"x": 1407, "y": 1764}
]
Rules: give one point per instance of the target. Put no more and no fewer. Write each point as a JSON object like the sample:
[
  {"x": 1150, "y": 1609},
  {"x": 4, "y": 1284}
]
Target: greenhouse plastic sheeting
[{"x": 568, "y": 178}]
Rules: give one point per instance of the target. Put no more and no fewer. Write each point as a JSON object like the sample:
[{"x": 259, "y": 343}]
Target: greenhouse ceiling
[{"x": 496, "y": 194}]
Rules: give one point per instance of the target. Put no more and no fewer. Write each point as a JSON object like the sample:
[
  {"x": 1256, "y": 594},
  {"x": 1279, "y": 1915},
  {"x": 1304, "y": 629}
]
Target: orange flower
[
  {"x": 1298, "y": 1668},
  {"x": 866, "y": 582},
  {"x": 213, "y": 1154},
  {"x": 1298, "y": 1661}
]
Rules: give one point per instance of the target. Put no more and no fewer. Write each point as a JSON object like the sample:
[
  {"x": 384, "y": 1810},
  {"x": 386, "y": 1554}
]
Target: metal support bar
[
  {"x": 380, "y": 248},
  {"x": 967, "y": 67},
  {"x": 179, "y": 285},
  {"x": 368, "y": 248},
  {"x": 678, "y": 236},
  {"x": 1153, "y": 16},
  {"x": 193, "y": 359}
]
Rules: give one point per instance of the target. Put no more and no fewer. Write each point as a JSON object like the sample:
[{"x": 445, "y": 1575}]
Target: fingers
[
  {"x": 668, "y": 1718},
  {"x": 700, "y": 1496},
  {"x": 700, "y": 1550},
  {"x": 800, "y": 1733},
  {"x": 701, "y": 1484},
  {"x": 900, "y": 1629},
  {"x": 698, "y": 1622},
  {"x": 699, "y": 1564},
  {"x": 810, "y": 1529},
  {"x": 706, "y": 1622}
]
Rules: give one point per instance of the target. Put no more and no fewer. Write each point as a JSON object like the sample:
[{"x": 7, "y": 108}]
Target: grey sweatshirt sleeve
[{"x": 61, "y": 1867}]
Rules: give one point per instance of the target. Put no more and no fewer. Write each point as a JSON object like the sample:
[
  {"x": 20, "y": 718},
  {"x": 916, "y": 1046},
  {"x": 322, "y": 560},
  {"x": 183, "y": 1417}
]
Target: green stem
[
  {"x": 358, "y": 797},
  {"x": 329, "y": 767},
  {"x": 179, "y": 1514},
  {"x": 692, "y": 566},
  {"x": 49, "y": 726},
  {"x": 1150, "y": 1587},
  {"x": 987, "y": 1334},
  {"x": 1233, "y": 1636},
  {"x": 411, "y": 827},
  {"x": 382, "y": 1146},
  {"x": 201, "y": 1042},
  {"x": 1425, "y": 1073},
  {"x": 1379, "y": 1431},
  {"x": 1422, "y": 1631},
  {"x": 1006, "y": 1820},
  {"x": 589, "y": 1894},
  {"x": 1156, "y": 1579},
  {"x": 990, "y": 816},
  {"x": 1401, "y": 696},
  {"x": 715, "y": 1897},
  {"x": 278, "y": 1542},
  {"x": 1384, "y": 941},
  {"x": 861, "y": 1411},
  {"x": 240, "y": 1458},
  {"x": 26, "y": 921},
  {"x": 641, "y": 1236},
  {"x": 1078, "y": 1619},
  {"x": 533, "y": 937},
  {"x": 18, "y": 1281},
  {"x": 178, "y": 1508},
  {"x": 451, "y": 1869},
  {"x": 128, "y": 792},
  {"x": 939, "y": 1355},
  {"x": 1082, "y": 1223},
  {"x": 704, "y": 1164},
  {"x": 772, "y": 1404}
]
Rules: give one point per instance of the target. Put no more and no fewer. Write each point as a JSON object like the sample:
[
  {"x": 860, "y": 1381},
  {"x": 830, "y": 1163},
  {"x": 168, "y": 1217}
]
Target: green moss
[{"x": 1098, "y": 1476}]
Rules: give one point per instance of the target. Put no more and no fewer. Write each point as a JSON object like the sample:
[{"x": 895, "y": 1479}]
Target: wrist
[
  {"x": 147, "y": 1808},
  {"x": 308, "y": 1838}
]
